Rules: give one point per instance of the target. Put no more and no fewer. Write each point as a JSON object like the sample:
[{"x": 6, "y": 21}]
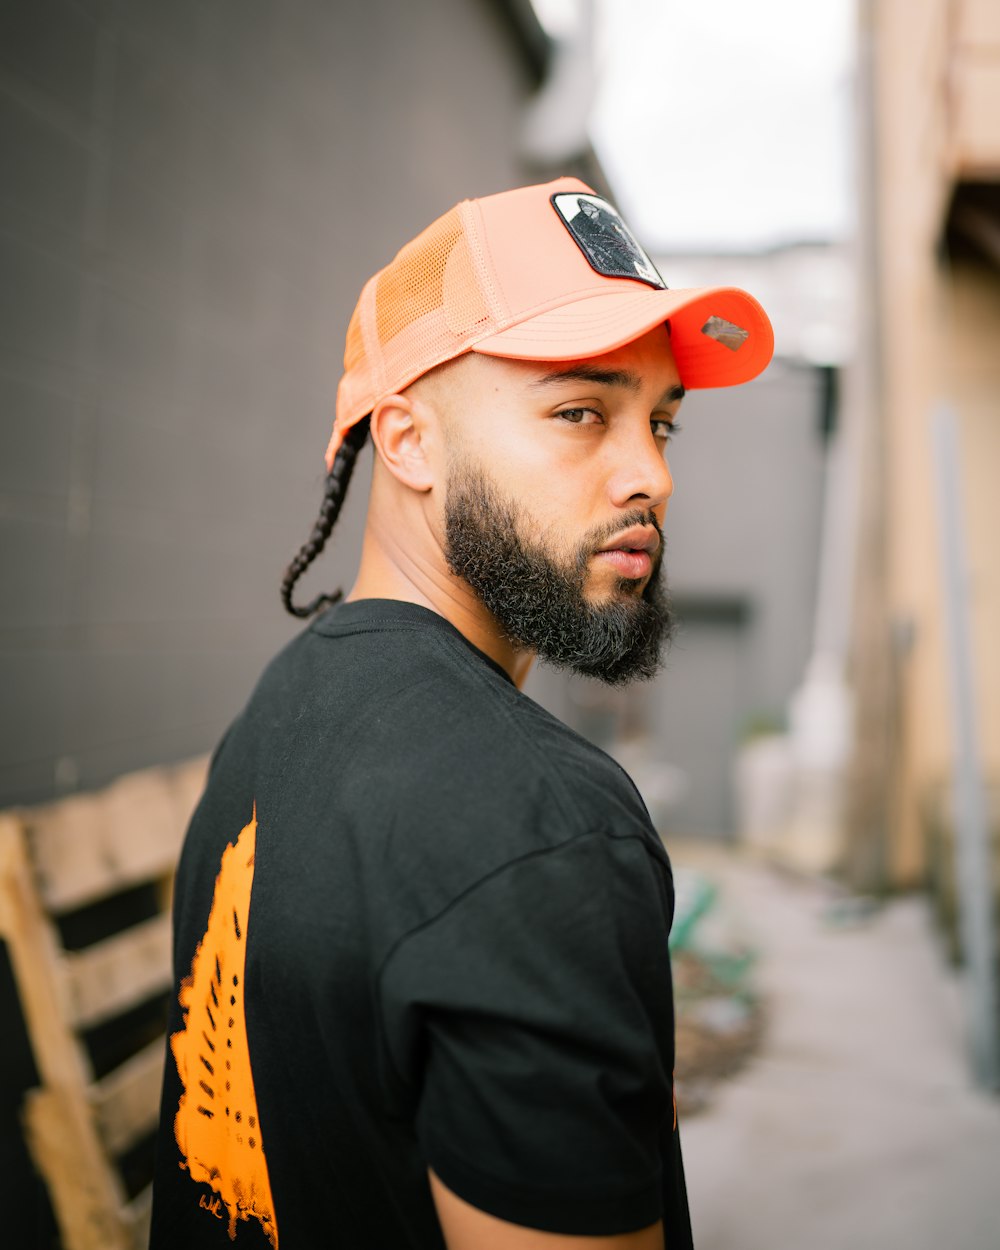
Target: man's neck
[{"x": 388, "y": 574}]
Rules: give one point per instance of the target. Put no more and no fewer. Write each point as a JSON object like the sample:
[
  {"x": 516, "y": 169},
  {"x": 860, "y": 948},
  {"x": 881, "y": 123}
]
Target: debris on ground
[{"x": 719, "y": 1012}]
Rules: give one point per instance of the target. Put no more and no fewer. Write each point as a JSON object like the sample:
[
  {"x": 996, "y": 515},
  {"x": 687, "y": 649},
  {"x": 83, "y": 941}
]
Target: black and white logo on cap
[{"x": 608, "y": 244}]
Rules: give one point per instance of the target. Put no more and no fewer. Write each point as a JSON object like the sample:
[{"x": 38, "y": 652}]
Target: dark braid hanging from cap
[{"x": 337, "y": 481}]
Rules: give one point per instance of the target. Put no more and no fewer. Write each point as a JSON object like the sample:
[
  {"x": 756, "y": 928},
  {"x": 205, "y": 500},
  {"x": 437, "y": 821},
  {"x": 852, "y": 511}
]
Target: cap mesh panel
[
  {"x": 465, "y": 308},
  {"x": 413, "y": 285},
  {"x": 354, "y": 347}
]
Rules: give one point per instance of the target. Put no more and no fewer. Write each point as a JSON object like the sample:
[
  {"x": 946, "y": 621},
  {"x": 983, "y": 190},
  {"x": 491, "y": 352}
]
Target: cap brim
[{"x": 602, "y": 322}]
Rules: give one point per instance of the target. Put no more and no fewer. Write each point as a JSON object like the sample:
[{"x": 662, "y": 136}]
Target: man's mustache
[{"x": 594, "y": 542}]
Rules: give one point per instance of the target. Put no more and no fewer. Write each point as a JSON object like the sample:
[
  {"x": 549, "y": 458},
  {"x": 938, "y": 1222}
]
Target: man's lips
[
  {"x": 638, "y": 538},
  {"x": 631, "y": 552}
]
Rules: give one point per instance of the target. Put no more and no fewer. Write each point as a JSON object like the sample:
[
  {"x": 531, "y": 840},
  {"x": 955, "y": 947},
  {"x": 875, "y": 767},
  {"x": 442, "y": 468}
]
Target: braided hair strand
[{"x": 337, "y": 481}]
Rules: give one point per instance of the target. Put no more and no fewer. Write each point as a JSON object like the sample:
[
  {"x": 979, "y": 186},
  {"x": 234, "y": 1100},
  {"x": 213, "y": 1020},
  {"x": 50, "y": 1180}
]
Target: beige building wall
[{"x": 936, "y": 68}]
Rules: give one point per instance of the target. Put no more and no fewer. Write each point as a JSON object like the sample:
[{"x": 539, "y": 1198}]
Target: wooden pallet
[{"x": 55, "y": 860}]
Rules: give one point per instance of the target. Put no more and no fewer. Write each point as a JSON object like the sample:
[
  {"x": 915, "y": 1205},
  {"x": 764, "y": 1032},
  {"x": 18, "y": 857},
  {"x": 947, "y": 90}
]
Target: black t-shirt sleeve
[{"x": 532, "y": 1024}]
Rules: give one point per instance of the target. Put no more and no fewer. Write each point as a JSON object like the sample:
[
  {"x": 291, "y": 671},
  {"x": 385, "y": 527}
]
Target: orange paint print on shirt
[{"x": 217, "y": 1126}]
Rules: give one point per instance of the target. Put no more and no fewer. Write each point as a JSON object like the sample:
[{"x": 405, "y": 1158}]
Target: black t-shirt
[{"x": 418, "y": 922}]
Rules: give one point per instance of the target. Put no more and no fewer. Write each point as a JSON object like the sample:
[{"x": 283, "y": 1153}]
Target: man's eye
[
  {"x": 581, "y": 416},
  {"x": 664, "y": 428}
]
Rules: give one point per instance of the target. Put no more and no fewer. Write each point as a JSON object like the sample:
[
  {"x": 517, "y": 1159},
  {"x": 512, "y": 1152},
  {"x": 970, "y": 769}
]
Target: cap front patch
[
  {"x": 609, "y": 245},
  {"x": 724, "y": 332}
]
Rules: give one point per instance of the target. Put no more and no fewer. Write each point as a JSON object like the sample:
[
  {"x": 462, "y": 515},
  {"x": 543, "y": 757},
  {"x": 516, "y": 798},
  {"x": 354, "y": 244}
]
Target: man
[{"x": 421, "y": 927}]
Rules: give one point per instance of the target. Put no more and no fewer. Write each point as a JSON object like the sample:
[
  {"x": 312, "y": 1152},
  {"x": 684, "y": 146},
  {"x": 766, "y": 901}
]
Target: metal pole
[{"x": 973, "y": 851}]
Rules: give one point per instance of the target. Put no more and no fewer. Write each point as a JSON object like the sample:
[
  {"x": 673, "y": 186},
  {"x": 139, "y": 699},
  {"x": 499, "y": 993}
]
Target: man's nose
[{"x": 642, "y": 476}]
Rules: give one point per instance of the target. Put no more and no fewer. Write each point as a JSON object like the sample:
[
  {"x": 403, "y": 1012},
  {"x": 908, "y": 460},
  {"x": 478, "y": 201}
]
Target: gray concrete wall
[
  {"x": 192, "y": 194},
  {"x": 743, "y": 532},
  {"x": 745, "y": 515}
]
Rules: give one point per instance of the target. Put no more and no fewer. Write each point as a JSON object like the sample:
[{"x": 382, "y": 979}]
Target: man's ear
[{"x": 402, "y": 431}]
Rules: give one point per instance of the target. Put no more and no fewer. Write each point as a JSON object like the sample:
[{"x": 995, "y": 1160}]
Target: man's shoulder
[
  {"x": 392, "y": 714},
  {"x": 414, "y": 779}
]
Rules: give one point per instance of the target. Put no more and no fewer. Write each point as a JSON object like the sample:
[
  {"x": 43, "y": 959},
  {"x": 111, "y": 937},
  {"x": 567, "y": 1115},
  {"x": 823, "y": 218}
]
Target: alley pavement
[{"x": 856, "y": 1124}]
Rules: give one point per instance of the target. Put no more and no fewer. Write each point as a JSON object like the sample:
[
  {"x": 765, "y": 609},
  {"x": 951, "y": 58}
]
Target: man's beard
[{"x": 539, "y": 602}]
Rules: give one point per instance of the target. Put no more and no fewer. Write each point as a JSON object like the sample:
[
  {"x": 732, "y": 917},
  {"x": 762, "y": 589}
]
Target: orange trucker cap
[{"x": 547, "y": 272}]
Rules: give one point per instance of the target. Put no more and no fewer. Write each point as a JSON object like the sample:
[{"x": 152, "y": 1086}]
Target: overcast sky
[{"x": 724, "y": 124}]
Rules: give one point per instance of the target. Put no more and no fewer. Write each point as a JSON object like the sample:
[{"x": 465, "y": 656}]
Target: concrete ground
[{"x": 855, "y": 1125}]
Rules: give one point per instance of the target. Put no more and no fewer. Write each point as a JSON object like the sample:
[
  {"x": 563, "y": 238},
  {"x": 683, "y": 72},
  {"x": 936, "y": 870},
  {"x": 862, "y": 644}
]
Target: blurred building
[
  {"x": 716, "y": 741},
  {"x": 929, "y": 330},
  {"x": 744, "y": 534}
]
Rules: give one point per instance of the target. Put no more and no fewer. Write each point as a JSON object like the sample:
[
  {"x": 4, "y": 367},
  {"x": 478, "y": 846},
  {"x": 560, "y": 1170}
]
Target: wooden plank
[
  {"x": 87, "y": 1195},
  {"x": 978, "y": 26},
  {"x": 126, "y": 1102},
  {"x": 35, "y": 957},
  {"x": 138, "y": 1218},
  {"x": 53, "y": 859},
  {"x": 90, "y": 845},
  {"x": 187, "y": 784},
  {"x": 975, "y": 134},
  {"x": 109, "y": 977}
]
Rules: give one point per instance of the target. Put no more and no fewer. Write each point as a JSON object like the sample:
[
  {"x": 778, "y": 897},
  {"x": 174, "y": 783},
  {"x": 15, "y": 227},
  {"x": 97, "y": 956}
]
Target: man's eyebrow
[
  {"x": 623, "y": 378},
  {"x": 673, "y": 394}
]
